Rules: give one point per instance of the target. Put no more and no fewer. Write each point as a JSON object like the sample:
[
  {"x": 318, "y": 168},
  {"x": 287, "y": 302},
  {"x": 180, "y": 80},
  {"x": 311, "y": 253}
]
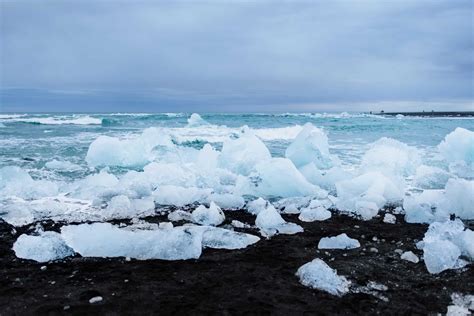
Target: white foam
[{"x": 61, "y": 120}]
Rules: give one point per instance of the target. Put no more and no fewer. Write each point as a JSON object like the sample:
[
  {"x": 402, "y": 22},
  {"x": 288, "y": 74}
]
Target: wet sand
[{"x": 257, "y": 280}]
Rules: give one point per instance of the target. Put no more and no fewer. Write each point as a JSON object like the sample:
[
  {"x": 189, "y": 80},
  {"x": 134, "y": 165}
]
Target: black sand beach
[{"x": 257, "y": 280}]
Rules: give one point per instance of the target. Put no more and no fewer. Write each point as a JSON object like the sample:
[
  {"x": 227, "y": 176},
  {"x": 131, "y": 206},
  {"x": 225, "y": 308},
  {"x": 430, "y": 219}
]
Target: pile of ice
[
  {"x": 462, "y": 305},
  {"x": 341, "y": 241},
  {"x": 444, "y": 245},
  {"x": 437, "y": 205},
  {"x": 270, "y": 223},
  {"x": 318, "y": 275},
  {"x": 165, "y": 173},
  {"x": 105, "y": 240}
]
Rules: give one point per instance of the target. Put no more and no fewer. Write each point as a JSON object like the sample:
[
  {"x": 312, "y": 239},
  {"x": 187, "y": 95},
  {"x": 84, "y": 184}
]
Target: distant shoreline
[{"x": 430, "y": 114}]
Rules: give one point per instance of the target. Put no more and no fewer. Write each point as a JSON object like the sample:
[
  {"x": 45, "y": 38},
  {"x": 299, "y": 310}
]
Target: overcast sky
[{"x": 236, "y": 55}]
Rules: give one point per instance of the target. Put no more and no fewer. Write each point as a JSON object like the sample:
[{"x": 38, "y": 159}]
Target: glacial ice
[
  {"x": 428, "y": 177},
  {"x": 391, "y": 157},
  {"x": 278, "y": 177},
  {"x": 47, "y": 246},
  {"x": 270, "y": 223},
  {"x": 242, "y": 154},
  {"x": 311, "y": 214},
  {"x": 444, "y": 243},
  {"x": 457, "y": 148},
  {"x": 256, "y": 206},
  {"x": 65, "y": 166},
  {"x": 341, "y": 241},
  {"x": 16, "y": 182},
  {"x": 318, "y": 275},
  {"x": 409, "y": 256},
  {"x": 438, "y": 205},
  {"x": 106, "y": 240},
  {"x": 366, "y": 194},
  {"x": 196, "y": 120},
  {"x": 211, "y": 215},
  {"x": 220, "y": 238},
  {"x": 180, "y": 196},
  {"x": 310, "y": 146},
  {"x": 111, "y": 151}
]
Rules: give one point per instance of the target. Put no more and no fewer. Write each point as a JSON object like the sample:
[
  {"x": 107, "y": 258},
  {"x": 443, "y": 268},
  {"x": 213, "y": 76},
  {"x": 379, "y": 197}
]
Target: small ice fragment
[
  {"x": 318, "y": 275},
  {"x": 341, "y": 241},
  {"x": 410, "y": 256},
  {"x": 208, "y": 216},
  {"x": 319, "y": 213},
  {"x": 95, "y": 299},
  {"x": 270, "y": 223},
  {"x": 179, "y": 215},
  {"x": 389, "y": 219}
]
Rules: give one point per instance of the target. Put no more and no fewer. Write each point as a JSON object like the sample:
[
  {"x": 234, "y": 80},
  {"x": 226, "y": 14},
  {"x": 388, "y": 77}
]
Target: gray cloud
[{"x": 85, "y": 55}]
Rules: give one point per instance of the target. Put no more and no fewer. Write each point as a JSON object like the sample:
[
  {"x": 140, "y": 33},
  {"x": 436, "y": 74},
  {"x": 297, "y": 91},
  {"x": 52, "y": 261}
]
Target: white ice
[
  {"x": 410, "y": 256},
  {"x": 270, "y": 223},
  {"x": 318, "y": 275},
  {"x": 211, "y": 215},
  {"x": 341, "y": 241},
  {"x": 47, "y": 246},
  {"x": 444, "y": 243}
]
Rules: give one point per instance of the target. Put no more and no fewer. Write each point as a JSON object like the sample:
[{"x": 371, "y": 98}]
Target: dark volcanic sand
[{"x": 257, "y": 280}]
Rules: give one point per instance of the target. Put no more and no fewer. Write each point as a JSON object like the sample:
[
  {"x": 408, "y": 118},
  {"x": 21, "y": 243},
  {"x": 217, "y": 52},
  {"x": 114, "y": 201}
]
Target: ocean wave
[
  {"x": 60, "y": 120},
  {"x": 11, "y": 116}
]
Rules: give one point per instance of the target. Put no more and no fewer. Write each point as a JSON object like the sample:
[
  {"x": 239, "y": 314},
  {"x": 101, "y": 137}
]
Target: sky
[{"x": 236, "y": 56}]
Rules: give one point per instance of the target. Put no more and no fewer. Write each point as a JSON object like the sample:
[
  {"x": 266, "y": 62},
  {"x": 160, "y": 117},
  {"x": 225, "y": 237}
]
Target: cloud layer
[{"x": 237, "y": 56}]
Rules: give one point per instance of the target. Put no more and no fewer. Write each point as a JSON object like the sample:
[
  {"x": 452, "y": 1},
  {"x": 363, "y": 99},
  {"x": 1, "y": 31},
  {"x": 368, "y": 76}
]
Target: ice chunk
[
  {"x": 196, "y": 120},
  {"x": 227, "y": 201},
  {"x": 242, "y": 154},
  {"x": 179, "y": 196},
  {"x": 326, "y": 179},
  {"x": 220, "y": 238},
  {"x": 389, "y": 219},
  {"x": 462, "y": 305},
  {"x": 444, "y": 243},
  {"x": 180, "y": 215},
  {"x": 457, "y": 148},
  {"x": 47, "y": 246},
  {"x": 318, "y": 275},
  {"x": 66, "y": 166},
  {"x": 421, "y": 208},
  {"x": 270, "y": 222},
  {"x": 292, "y": 205},
  {"x": 279, "y": 177},
  {"x": 391, "y": 157},
  {"x": 427, "y": 177},
  {"x": 208, "y": 216},
  {"x": 410, "y": 256},
  {"x": 459, "y": 198},
  {"x": 121, "y": 206},
  {"x": 256, "y": 206},
  {"x": 310, "y": 214},
  {"x": 106, "y": 240},
  {"x": 366, "y": 194},
  {"x": 15, "y": 181},
  {"x": 341, "y": 241},
  {"x": 111, "y": 151},
  {"x": 440, "y": 255},
  {"x": 310, "y": 146}
]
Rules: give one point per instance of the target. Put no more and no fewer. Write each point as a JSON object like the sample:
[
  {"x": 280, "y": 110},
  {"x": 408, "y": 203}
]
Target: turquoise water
[{"x": 31, "y": 140}]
